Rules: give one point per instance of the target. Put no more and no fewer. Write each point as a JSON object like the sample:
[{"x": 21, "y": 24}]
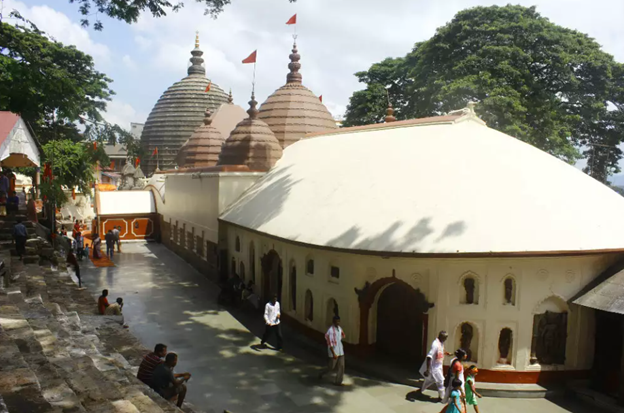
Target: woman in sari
[{"x": 97, "y": 243}]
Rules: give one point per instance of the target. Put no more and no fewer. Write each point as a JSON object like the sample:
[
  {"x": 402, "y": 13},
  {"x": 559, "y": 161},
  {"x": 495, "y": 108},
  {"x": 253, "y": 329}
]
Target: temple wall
[
  {"x": 190, "y": 209},
  {"x": 540, "y": 284}
]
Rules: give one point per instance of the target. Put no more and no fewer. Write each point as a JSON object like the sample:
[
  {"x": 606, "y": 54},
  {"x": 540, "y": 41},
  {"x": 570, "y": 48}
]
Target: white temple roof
[
  {"x": 125, "y": 202},
  {"x": 444, "y": 185}
]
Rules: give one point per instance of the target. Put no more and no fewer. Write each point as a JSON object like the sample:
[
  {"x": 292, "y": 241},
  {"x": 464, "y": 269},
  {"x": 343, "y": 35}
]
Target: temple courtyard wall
[{"x": 397, "y": 305}]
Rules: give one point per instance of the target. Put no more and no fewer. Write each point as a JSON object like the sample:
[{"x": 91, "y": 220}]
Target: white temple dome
[{"x": 446, "y": 185}]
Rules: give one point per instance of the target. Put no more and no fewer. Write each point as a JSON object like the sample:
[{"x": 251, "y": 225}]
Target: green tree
[
  {"x": 73, "y": 166},
  {"x": 544, "y": 84},
  {"x": 54, "y": 87},
  {"x": 130, "y": 10}
]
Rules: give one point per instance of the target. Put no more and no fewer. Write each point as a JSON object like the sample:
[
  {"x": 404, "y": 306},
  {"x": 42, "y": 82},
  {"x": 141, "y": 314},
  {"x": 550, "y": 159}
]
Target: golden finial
[{"x": 197, "y": 39}]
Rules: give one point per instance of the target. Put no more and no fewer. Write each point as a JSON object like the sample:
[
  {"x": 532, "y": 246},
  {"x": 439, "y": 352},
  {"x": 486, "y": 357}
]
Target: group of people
[
  {"x": 333, "y": 338},
  {"x": 456, "y": 389},
  {"x": 111, "y": 238},
  {"x": 157, "y": 371}
]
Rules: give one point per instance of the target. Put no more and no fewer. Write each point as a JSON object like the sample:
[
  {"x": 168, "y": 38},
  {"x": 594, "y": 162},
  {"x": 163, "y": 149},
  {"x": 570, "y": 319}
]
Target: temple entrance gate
[
  {"x": 401, "y": 323},
  {"x": 272, "y": 275}
]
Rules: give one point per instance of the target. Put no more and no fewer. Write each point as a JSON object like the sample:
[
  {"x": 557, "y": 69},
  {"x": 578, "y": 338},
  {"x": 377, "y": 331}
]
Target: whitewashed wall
[
  {"x": 197, "y": 199},
  {"x": 537, "y": 280}
]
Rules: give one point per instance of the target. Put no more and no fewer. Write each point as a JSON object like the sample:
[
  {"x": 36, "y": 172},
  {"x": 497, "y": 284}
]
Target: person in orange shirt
[{"x": 103, "y": 302}]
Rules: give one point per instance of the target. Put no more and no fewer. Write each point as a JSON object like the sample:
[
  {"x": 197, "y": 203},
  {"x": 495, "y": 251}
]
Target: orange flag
[
  {"x": 321, "y": 98},
  {"x": 292, "y": 20},
  {"x": 137, "y": 162},
  {"x": 156, "y": 150},
  {"x": 207, "y": 89},
  {"x": 251, "y": 58}
]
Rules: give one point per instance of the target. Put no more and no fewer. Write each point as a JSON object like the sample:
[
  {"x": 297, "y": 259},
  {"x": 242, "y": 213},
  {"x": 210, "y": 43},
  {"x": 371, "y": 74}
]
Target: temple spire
[
  {"x": 207, "y": 117},
  {"x": 196, "y": 67},
  {"x": 390, "y": 114},
  {"x": 253, "y": 112},
  {"x": 294, "y": 76}
]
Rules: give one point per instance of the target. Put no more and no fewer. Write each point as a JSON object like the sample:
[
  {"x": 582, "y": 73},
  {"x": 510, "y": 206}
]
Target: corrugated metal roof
[{"x": 606, "y": 292}]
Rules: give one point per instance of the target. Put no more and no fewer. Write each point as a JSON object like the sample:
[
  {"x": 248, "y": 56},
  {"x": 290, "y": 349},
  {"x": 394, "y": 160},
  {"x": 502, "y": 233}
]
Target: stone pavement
[{"x": 168, "y": 301}]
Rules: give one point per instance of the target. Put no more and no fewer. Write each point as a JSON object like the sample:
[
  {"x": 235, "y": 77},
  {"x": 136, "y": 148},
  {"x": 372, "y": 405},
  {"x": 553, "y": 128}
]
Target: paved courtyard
[{"x": 167, "y": 301}]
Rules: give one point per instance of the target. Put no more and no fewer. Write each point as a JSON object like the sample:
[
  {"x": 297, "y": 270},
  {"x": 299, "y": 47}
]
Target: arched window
[
  {"x": 467, "y": 337},
  {"x": 469, "y": 290},
  {"x": 293, "y": 286},
  {"x": 310, "y": 266},
  {"x": 237, "y": 244},
  {"x": 309, "y": 306},
  {"x": 550, "y": 331},
  {"x": 241, "y": 268},
  {"x": 505, "y": 346},
  {"x": 252, "y": 261},
  {"x": 331, "y": 311},
  {"x": 509, "y": 291}
]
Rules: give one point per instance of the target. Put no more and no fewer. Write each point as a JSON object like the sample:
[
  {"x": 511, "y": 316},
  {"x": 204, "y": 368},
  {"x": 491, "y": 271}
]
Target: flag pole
[{"x": 253, "y": 82}]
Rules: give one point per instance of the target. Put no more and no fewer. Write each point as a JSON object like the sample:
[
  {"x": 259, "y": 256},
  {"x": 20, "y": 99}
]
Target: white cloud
[
  {"x": 61, "y": 28},
  {"x": 336, "y": 39},
  {"x": 121, "y": 113},
  {"x": 129, "y": 63}
]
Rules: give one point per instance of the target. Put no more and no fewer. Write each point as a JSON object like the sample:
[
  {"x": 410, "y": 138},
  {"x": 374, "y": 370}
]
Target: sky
[{"x": 336, "y": 38}]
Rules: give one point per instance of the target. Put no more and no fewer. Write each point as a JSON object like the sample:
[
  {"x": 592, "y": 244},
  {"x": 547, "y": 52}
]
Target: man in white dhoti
[{"x": 431, "y": 368}]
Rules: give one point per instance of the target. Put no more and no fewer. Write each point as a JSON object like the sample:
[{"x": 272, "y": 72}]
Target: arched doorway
[
  {"x": 401, "y": 323},
  {"x": 272, "y": 275}
]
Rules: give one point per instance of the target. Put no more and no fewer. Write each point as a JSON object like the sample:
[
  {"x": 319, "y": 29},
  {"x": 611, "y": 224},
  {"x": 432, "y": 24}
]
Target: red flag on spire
[
  {"x": 292, "y": 20},
  {"x": 321, "y": 98},
  {"x": 251, "y": 58}
]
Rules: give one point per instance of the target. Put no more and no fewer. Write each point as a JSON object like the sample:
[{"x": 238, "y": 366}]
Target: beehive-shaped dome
[
  {"x": 203, "y": 147},
  {"x": 251, "y": 143},
  {"x": 178, "y": 112},
  {"x": 293, "y": 111}
]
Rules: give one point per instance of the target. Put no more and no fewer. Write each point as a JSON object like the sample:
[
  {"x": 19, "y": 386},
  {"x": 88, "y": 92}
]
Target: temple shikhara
[{"x": 403, "y": 228}]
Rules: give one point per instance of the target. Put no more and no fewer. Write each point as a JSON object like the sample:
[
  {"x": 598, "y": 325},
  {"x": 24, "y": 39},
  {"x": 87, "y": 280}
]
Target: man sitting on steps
[
  {"x": 168, "y": 384},
  {"x": 150, "y": 362}
]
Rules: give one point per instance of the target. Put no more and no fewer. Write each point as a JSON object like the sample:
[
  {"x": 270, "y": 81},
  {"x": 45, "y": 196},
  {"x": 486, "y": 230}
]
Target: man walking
[
  {"x": 272, "y": 320},
  {"x": 116, "y": 237},
  {"x": 334, "y": 338},
  {"x": 72, "y": 261},
  {"x": 431, "y": 368},
  {"x": 19, "y": 236},
  {"x": 110, "y": 243}
]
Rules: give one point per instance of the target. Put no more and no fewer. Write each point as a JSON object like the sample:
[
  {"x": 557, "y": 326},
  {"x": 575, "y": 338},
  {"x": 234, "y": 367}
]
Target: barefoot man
[{"x": 431, "y": 369}]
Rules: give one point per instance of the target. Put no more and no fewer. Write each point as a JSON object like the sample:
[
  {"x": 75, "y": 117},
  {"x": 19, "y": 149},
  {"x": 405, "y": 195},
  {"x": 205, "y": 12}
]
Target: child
[
  {"x": 471, "y": 391},
  {"x": 455, "y": 403}
]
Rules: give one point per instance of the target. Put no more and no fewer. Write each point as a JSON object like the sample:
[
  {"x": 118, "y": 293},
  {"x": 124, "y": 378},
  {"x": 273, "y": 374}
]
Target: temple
[
  {"x": 403, "y": 228},
  {"x": 178, "y": 113}
]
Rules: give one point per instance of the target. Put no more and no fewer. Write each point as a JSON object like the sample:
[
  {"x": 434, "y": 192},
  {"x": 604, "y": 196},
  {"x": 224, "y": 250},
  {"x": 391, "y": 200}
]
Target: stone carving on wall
[
  {"x": 504, "y": 346},
  {"x": 549, "y": 338},
  {"x": 569, "y": 276},
  {"x": 362, "y": 293},
  {"x": 469, "y": 287},
  {"x": 466, "y": 339},
  {"x": 509, "y": 291}
]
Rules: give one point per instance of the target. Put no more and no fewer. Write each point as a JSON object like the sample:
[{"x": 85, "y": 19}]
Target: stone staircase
[
  {"x": 57, "y": 355},
  {"x": 6, "y": 237}
]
